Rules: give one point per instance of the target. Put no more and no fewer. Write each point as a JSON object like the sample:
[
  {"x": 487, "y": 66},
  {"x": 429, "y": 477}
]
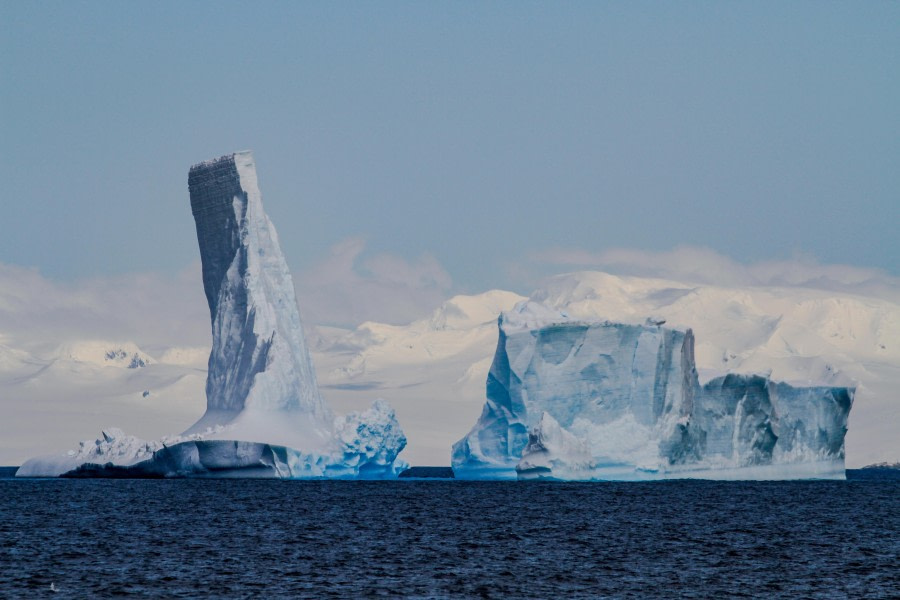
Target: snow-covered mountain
[
  {"x": 435, "y": 376},
  {"x": 51, "y": 400},
  {"x": 433, "y": 370},
  {"x": 105, "y": 354}
]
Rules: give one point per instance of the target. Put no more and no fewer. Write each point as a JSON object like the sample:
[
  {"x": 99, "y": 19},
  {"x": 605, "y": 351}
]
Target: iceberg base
[
  {"x": 222, "y": 459},
  {"x": 826, "y": 469}
]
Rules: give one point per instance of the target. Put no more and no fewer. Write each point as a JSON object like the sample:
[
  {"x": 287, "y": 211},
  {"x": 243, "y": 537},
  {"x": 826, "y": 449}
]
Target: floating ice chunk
[{"x": 371, "y": 440}]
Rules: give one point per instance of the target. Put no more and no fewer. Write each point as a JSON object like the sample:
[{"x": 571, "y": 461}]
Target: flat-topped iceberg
[
  {"x": 575, "y": 399},
  {"x": 265, "y": 415}
]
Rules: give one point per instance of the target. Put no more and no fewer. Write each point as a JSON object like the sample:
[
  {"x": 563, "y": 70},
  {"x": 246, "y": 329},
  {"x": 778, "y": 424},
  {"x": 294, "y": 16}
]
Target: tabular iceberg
[
  {"x": 265, "y": 416},
  {"x": 570, "y": 399}
]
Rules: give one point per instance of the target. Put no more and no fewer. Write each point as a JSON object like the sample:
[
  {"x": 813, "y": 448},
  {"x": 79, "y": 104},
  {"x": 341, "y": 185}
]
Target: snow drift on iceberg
[
  {"x": 264, "y": 416},
  {"x": 573, "y": 399},
  {"x": 552, "y": 452}
]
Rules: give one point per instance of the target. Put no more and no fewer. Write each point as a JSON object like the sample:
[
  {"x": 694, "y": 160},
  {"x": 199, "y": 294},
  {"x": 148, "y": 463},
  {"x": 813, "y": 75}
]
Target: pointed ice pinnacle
[
  {"x": 261, "y": 386},
  {"x": 264, "y": 415},
  {"x": 259, "y": 360}
]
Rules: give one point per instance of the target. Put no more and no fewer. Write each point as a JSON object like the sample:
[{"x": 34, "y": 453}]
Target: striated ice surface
[
  {"x": 631, "y": 396},
  {"x": 265, "y": 416}
]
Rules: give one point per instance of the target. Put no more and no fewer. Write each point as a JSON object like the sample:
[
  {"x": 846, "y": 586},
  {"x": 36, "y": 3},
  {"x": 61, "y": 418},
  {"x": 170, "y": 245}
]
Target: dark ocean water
[{"x": 448, "y": 539}]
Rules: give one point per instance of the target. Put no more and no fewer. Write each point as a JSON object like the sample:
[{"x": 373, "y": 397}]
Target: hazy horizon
[
  {"x": 454, "y": 147},
  {"x": 408, "y": 152}
]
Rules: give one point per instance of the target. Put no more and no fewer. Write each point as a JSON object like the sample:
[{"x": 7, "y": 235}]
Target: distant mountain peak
[{"x": 104, "y": 353}]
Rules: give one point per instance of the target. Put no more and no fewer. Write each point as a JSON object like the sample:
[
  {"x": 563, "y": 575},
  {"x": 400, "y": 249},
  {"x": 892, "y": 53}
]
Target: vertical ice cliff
[
  {"x": 751, "y": 422},
  {"x": 259, "y": 364},
  {"x": 630, "y": 394}
]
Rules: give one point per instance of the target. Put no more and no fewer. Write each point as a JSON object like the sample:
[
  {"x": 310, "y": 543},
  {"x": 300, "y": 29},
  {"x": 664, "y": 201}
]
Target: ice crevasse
[
  {"x": 265, "y": 416},
  {"x": 581, "y": 400}
]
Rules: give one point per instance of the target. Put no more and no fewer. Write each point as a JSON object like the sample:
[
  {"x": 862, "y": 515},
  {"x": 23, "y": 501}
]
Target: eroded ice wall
[
  {"x": 630, "y": 394},
  {"x": 636, "y": 381}
]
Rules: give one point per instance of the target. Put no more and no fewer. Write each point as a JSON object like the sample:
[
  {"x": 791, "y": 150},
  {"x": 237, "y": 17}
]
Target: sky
[{"x": 409, "y": 151}]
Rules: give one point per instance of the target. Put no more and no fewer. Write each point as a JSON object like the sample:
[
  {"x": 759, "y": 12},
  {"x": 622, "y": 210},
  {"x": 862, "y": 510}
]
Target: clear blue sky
[{"x": 476, "y": 132}]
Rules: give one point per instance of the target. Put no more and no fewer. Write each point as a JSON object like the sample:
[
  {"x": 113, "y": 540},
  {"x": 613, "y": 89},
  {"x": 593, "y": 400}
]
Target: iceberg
[
  {"x": 580, "y": 399},
  {"x": 265, "y": 416},
  {"x": 261, "y": 380}
]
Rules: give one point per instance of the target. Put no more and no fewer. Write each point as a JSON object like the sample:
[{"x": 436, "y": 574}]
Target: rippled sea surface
[{"x": 448, "y": 539}]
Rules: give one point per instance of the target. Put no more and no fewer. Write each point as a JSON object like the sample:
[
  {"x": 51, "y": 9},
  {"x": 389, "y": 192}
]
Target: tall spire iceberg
[
  {"x": 264, "y": 414},
  {"x": 259, "y": 365}
]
